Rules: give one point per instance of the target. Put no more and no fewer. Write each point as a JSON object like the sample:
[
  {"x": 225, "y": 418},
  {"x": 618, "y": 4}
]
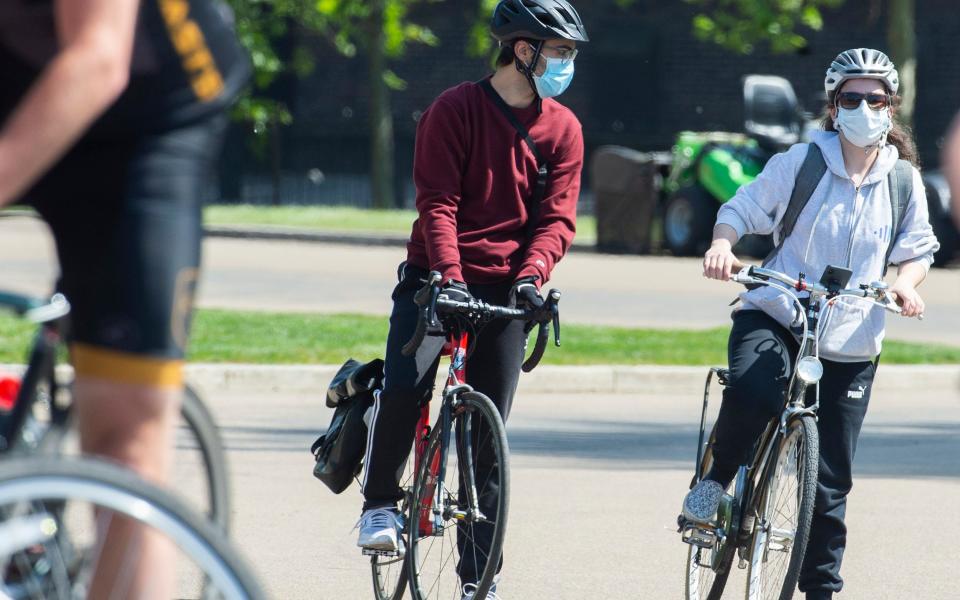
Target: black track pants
[
  {"x": 760, "y": 354},
  {"x": 493, "y": 369}
]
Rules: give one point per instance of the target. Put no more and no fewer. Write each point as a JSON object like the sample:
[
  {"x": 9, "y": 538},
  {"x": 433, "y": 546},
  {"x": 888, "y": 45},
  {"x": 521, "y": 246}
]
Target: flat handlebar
[
  {"x": 876, "y": 291},
  {"x": 430, "y": 303},
  {"x": 35, "y": 310}
]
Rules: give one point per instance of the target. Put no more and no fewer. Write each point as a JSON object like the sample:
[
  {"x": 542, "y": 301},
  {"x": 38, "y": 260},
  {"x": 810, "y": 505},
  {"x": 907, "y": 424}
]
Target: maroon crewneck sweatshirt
[{"x": 474, "y": 173}]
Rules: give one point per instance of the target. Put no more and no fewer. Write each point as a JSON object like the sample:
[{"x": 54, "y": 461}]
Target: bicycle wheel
[
  {"x": 199, "y": 466},
  {"x": 709, "y": 568},
  {"x": 200, "y": 455},
  {"x": 390, "y": 572},
  {"x": 450, "y": 543},
  {"x": 52, "y": 508},
  {"x": 786, "y": 511},
  {"x": 703, "y": 582}
]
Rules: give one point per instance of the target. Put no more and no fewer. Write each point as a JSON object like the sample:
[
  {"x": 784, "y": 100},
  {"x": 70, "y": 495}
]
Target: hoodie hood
[{"x": 829, "y": 143}]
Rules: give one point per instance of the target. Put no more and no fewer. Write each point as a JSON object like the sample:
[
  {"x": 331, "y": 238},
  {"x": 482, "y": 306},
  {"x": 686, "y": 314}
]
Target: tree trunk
[
  {"x": 902, "y": 37},
  {"x": 276, "y": 160},
  {"x": 381, "y": 117}
]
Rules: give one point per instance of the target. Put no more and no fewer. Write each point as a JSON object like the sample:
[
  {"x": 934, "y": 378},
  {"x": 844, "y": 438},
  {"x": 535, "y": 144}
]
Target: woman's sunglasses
[{"x": 853, "y": 99}]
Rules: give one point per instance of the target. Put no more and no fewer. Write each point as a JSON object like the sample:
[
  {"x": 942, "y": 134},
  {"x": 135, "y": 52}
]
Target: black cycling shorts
[{"x": 126, "y": 218}]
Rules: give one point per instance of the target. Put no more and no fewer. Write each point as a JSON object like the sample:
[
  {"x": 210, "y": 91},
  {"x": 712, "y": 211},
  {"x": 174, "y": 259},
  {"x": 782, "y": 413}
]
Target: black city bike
[{"x": 765, "y": 515}]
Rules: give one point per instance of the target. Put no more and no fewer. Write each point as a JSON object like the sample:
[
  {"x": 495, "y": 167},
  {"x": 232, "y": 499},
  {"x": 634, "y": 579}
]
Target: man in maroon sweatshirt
[{"x": 485, "y": 226}]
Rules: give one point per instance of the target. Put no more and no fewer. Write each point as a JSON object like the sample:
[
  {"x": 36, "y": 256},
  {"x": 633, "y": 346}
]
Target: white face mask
[{"x": 863, "y": 126}]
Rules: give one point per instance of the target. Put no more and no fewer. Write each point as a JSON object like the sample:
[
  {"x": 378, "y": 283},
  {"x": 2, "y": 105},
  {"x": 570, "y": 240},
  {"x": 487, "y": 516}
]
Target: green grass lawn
[
  {"x": 269, "y": 338},
  {"x": 341, "y": 218}
]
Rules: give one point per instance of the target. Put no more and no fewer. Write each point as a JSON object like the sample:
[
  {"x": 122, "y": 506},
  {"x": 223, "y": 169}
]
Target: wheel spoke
[{"x": 436, "y": 575}]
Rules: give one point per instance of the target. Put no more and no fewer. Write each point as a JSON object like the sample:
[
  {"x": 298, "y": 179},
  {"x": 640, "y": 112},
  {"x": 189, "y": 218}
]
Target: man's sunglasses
[{"x": 853, "y": 100}]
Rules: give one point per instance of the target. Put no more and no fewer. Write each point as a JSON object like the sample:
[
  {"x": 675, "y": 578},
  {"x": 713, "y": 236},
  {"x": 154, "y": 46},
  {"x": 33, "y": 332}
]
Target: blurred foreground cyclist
[{"x": 112, "y": 114}]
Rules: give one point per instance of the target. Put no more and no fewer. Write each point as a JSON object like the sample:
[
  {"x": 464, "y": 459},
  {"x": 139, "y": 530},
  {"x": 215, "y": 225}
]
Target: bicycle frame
[
  {"x": 430, "y": 513},
  {"x": 751, "y": 479},
  {"x": 41, "y": 366}
]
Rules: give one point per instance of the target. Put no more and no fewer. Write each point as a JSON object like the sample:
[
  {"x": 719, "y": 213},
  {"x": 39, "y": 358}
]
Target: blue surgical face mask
[{"x": 556, "y": 77}]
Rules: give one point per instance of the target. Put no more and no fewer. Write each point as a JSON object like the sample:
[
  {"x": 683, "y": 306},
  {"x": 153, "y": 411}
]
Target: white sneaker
[
  {"x": 701, "y": 503},
  {"x": 379, "y": 529},
  {"x": 470, "y": 590}
]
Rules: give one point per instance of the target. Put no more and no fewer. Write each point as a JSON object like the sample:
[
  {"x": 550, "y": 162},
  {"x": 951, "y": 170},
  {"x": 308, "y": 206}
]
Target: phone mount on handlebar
[{"x": 835, "y": 278}]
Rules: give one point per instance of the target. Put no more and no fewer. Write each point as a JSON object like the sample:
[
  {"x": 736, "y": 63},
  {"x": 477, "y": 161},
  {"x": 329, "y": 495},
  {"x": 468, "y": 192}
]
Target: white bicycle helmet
[{"x": 861, "y": 63}]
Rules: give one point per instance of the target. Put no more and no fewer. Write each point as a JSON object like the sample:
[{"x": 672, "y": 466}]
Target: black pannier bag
[{"x": 339, "y": 452}]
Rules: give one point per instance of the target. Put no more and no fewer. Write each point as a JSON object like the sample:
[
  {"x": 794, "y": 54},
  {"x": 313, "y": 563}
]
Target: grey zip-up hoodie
[{"x": 840, "y": 225}]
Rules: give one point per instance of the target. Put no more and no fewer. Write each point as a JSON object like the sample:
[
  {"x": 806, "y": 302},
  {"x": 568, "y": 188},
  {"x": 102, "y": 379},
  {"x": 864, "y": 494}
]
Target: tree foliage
[
  {"x": 740, "y": 25},
  {"x": 264, "y": 25}
]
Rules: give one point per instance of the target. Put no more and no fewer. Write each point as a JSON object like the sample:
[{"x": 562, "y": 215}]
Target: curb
[
  {"x": 593, "y": 379},
  {"x": 313, "y": 380},
  {"x": 297, "y": 234}
]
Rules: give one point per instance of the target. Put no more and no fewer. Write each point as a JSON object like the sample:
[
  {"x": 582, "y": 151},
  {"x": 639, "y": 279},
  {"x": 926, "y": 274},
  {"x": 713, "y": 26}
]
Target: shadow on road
[{"x": 922, "y": 449}]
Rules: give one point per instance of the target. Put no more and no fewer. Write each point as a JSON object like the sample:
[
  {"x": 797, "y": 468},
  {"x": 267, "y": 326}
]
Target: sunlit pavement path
[
  {"x": 601, "y": 289},
  {"x": 597, "y": 483}
]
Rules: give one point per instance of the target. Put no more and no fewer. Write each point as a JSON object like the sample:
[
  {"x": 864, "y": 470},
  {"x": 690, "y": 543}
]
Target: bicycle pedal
[
  {"x": 384, "y": 553},
  {"x": 699, "y": 536}
]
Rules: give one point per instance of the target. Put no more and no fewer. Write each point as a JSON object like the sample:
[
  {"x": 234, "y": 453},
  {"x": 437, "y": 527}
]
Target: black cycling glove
[
  {"x": 525, "y": 294},
  {"x": 456, "y": 290}
]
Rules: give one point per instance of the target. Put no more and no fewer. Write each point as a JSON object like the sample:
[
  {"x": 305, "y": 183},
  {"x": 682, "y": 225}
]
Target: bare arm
[
  {"x": 85, "y": 77},
  {"x": 719, "y": 260}
]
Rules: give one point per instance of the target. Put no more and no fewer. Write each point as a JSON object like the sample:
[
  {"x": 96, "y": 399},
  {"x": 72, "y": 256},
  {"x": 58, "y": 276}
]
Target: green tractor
[{"x": 707, "y": 168}]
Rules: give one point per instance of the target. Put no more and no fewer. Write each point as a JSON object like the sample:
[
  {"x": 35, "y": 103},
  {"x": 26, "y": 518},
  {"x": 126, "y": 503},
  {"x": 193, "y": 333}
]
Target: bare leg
[{"x": 133, "y": 425}]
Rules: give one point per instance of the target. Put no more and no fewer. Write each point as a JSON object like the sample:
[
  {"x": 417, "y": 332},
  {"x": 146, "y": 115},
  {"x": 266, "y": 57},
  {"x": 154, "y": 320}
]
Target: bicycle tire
[
  {"x": 198, "y": 418},
  {"x": 446, "y": 582},
  {"x": 390, "y": 573},
  {"x": 201, "y": 432},
  {"x": 695, "y": 586},
  {"x": 74, "y": 486},
  {"x": 777, "y": 580}
]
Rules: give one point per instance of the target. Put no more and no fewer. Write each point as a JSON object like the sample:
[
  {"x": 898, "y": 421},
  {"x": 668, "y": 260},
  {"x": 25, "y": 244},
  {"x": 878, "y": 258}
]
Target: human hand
[
  {"x": 525, "y": 293},
  {"x": 907, "y": 297},
  {"x": 719, "y": 261}
]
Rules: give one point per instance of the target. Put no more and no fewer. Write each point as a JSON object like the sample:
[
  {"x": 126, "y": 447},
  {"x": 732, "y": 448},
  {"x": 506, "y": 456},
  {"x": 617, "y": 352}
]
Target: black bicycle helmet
[{"x": 537, "y": 20}]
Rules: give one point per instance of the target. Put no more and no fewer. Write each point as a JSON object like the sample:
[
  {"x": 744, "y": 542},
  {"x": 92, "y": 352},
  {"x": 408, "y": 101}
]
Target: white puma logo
[{"x": 856, "y": 394}]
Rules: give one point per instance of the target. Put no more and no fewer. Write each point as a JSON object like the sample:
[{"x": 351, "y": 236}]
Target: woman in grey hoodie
[{"x": 847, "y": 222}]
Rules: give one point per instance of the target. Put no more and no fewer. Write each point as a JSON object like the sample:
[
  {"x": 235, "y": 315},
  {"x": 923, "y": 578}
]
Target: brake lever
[
  {"x": 554, "y": 299},
  {"x": 432, "y": 307},
  {"x": 429, "y": 291}
]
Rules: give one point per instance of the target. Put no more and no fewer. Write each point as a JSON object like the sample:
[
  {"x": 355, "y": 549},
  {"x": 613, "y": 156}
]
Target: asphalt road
[
  {"x": 597, "y": 484},
  {"x": 640, "y": 291},
  {"x": 597, "y": 479}
]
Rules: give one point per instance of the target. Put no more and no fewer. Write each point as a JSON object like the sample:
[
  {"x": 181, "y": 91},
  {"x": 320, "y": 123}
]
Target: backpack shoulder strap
[
  {"x": 543, "y": 169},
  {"x": 808, "y": 178},
  {"x": 900, "y": 185}
]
